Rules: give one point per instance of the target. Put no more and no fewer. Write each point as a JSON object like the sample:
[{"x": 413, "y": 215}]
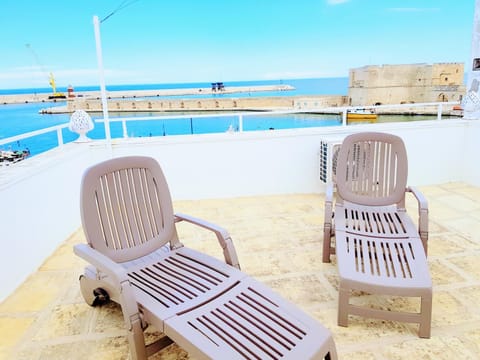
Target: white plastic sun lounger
[
  {"x": 378, "y": 247},
  {"x": 208, "y": 307}
]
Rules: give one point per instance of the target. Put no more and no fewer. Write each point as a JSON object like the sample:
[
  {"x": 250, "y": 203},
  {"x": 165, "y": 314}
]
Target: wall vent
[{"x": 328, "y": 159}]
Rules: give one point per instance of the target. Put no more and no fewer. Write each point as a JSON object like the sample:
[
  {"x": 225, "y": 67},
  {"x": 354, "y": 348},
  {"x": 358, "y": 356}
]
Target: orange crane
[{"x": 51, "y": 78}]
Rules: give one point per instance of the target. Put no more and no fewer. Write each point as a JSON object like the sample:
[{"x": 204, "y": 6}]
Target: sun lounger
[
  {"x": 208, "y": 307},
  {"x": 378, "y": 247}
]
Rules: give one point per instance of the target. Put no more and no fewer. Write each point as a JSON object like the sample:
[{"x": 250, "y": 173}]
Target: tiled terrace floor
[{"x": 278, "y": 239}]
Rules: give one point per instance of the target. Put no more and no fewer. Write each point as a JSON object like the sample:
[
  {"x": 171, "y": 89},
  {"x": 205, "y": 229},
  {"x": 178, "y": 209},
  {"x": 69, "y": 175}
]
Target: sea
[
  {"x": 312, "y": 86},
  {"x": 16, "y": 119}
]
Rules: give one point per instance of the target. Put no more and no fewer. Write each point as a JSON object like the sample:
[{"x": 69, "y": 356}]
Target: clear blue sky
[{"x": 167, "y": 41}]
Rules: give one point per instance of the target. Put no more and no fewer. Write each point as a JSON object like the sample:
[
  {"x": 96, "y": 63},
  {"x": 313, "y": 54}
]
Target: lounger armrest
[
  {"x": 115, "y": 271},
  {"x": 422, "y": 214},
  {"x": 422, "y": 200},
  {"x": 222, "y": 234},
  {"x": 120, "y": 279}
]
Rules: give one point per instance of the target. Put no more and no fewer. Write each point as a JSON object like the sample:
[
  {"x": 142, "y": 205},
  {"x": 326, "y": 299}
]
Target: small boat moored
[
  {"x": 361, "y": 115},
  {"x": 9, "y": 156}
]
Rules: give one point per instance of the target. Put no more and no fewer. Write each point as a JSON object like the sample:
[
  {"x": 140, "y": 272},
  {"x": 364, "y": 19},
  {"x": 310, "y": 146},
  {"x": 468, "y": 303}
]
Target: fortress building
[{"x": 400, "y": 84}]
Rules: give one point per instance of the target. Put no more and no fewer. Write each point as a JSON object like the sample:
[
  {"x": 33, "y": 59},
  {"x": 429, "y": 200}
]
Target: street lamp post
[{"x": 96, "y": 25}]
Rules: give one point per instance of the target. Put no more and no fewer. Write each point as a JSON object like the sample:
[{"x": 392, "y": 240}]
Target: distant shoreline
[{"x": 298, "y": 83}]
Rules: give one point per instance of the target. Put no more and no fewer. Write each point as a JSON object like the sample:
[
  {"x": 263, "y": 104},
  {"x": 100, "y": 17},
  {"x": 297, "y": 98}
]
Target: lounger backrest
[
  {"x": 372, "y": 169},
  {"x": 126, "y": 207}
]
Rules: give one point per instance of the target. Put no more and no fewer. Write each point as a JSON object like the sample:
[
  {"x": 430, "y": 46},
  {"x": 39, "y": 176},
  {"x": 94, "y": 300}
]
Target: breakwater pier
[{"x": 134, "y": 94}]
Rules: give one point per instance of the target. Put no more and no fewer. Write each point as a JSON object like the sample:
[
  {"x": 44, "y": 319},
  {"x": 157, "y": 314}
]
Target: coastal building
[{"x": 409, "y": 83}]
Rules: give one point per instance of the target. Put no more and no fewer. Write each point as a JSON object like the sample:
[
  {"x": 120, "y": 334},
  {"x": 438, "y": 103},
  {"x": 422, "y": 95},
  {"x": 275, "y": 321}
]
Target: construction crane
[{"x": 51, "y": 78}]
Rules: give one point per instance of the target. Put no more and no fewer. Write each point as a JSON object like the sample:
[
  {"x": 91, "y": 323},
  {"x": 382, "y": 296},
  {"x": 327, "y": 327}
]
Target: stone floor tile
[
  {"x": 303, "y": 290},
  {"x": 468, "y": 226},
  {"x": 448, "y": 310},
  {"x": 12, "y": 329},
  {"x": 471, "y": 340},
  {"x": 470, "y": 264},
  {"x": 459, "y": 202},
  {"x": 38, "y": 291},
  {"x": 279, "y": 242},
  {"x": 448, "y": 244},
  {"x": 442, "y": 274},
  {"x": 434, "y": 348},
  {"x": 108, "y": 318},
  {"x": 64, "y": 320}
]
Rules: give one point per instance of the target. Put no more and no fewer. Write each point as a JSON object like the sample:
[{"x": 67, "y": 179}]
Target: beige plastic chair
[
  {"x": 210, "y": 308},
  {"x": 378, "y": 247}
]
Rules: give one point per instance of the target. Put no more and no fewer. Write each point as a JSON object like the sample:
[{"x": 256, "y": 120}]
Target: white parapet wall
[
  {"x": 287, "y": 161},
  {"x": 39, "y": 207},
  {"x": 40, "y": 196}
]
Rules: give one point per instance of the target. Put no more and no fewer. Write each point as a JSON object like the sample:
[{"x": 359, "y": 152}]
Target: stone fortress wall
[{"x": 401, "y": 84}]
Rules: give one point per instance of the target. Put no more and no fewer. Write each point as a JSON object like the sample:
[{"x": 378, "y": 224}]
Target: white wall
[
  {"x": 287, "y": 161},
  {"x": 471, "y": 156},
  {"x": 39, "y": 209}
]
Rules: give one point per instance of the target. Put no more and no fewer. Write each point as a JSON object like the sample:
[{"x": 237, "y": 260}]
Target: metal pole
[{"x": 96, "y": 25}]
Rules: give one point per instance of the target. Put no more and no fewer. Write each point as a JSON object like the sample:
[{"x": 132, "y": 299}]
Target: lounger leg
[
  {"x": 136, "y": 340},
  {"x": 425, "y": 316},
  {"x": 133, "y": 322},
  {"x": 343, "y": 301},
  {"x": 332, "y": 350},
  {"x": 327, "y": 225}
]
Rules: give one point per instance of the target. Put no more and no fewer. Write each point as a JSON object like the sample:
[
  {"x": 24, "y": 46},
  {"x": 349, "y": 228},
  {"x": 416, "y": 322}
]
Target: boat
[
  {"x": 8, "y": 157},
  {"x": 361, "y": 115}
]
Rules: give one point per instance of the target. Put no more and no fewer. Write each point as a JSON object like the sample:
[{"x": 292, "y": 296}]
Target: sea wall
[
  {"x": 259, "y": 103},
  {"x": 27, "y": 98}
]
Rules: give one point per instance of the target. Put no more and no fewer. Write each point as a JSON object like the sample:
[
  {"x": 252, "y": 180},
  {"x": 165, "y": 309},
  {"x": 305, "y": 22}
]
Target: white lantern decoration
[{"x": 81, "y": 123}]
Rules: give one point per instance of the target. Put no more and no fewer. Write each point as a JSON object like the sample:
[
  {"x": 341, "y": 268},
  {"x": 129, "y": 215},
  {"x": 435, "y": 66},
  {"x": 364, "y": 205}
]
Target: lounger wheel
[
  {"x": 92, "y": 294},
  {"x": 101, "y": 297}
]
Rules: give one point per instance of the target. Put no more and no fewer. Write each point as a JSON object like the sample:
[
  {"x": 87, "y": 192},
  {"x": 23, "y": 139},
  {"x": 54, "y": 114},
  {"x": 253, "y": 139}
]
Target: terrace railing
[{"x": 240, "y": 116}]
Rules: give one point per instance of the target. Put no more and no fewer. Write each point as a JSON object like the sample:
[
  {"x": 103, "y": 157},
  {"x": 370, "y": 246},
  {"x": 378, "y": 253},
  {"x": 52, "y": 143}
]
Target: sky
[{"x": 181, "y": 41}]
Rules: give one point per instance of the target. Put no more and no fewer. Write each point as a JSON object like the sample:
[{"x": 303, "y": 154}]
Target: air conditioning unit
[{"x": 328, "y": 159}]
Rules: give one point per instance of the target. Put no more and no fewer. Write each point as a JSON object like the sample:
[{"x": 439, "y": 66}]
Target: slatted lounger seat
[
  {"x": 379, "y": 249},
  {"x": 208, "y": 307}
]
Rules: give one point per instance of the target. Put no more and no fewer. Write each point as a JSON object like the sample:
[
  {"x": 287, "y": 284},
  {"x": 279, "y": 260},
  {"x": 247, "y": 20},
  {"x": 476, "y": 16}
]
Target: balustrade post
[
  {"x": 439, "y": 111},
  {"x": 240, "y": 123},
  {"x": 59, "y": 137},
  {"x": 124, "y": 127},
  {"x": 344, "y": 117}
]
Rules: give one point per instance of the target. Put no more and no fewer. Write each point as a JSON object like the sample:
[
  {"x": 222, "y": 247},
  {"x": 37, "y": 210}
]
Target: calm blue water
[
  {"x": 19, "y": 119},
  {"x": 22, "y": 118},
  {"x": 320, "y": 86}
]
